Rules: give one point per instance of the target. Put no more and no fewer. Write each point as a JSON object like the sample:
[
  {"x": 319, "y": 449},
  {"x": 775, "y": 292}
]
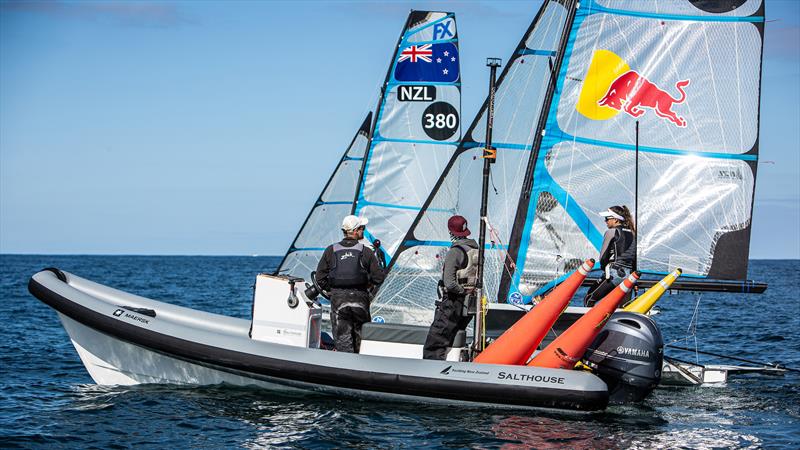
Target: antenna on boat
[{"x": 489, "y": 157}]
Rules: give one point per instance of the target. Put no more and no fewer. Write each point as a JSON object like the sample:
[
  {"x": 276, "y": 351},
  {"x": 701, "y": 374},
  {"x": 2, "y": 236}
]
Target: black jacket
[
  {"x": 618, "y": 248},
  {"x": 368, "y": 261}
]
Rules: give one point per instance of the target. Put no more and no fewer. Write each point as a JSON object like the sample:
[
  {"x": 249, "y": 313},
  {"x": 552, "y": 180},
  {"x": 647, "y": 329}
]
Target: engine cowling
[{"x": 628, "y": 355}]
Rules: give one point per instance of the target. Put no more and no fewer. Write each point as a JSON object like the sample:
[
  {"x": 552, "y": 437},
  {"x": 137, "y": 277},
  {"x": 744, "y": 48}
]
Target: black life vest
[
  {"x": 347, "y": 270},
  {"x": 623, "y": 251}
]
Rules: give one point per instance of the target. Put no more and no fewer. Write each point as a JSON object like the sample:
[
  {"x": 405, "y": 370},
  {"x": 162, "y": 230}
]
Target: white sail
[
  {"x": 689, "y": 72},
  {"x": 417, "y": 129}
]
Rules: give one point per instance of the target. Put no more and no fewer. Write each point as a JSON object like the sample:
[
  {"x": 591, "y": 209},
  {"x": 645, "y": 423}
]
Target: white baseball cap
[
  {"x": 609, "y": 213},
  {"x": 350, "y": 223}
]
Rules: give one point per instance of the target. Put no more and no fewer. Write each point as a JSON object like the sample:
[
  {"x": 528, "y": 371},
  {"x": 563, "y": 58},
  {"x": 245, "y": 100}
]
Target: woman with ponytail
[{"x": 617, "y": 254}]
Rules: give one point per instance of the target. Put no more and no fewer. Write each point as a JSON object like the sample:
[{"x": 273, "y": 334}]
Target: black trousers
[
  {"x": 448, "y": 320},
  {"x": 611, "y": 279},
  {"x": 349, "y": 311}
]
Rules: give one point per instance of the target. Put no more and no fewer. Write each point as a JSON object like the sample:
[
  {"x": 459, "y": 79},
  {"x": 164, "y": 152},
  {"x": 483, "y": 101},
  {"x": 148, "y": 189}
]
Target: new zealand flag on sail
[{"x": 428, "y": 62}]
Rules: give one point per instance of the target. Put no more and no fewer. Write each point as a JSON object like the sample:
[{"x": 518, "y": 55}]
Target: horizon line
[{"x": 244, "y": 256}]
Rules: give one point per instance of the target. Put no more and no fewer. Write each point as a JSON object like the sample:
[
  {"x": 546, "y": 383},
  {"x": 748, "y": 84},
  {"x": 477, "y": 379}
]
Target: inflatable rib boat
[{"x": 125, "y": 339}]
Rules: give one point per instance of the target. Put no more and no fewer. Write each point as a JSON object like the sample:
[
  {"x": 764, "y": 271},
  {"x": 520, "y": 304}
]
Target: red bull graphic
[{"x": 631, "y": 92}]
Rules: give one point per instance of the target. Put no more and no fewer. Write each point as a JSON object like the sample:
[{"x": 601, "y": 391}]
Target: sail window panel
[
  {"x": 359, "y": 146},
  {"x": 458, "y": 193},
  {"x": 496, "y": 262},
  {"x": 342, "y": 187},
  {"x": 301, "y": 263},
  {"x": 737, "y": 8},
  {"x": 518, "y": 102},
  {"x": 556, "y": 246},
  {"x": 686, "y": 202},
  {"x": 403, "y": 173},
  {"x": 426, "y": 113},
  {"x": 546, "y": 35},
  {"x": 388, "y": 224},
  {"x": 434, "y": 26},
  {"x": 507, "y": 178},
  {"x": 409, "y": 293},
  {"x": 323, "y": 227},
  {"x": 716, "y": 64}
]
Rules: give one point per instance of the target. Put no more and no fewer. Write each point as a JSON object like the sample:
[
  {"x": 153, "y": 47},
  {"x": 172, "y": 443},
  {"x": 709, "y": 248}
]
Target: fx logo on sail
[{"x": 442, "y": 30}]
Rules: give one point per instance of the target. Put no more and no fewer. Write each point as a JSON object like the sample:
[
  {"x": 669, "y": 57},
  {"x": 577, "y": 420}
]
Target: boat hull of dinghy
[{"x": 124, "y": 339}]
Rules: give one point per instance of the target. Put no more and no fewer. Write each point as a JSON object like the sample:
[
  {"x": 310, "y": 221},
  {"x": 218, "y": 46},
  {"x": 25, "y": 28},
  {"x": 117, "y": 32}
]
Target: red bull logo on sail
[
  {"x": 611, "y": 86},
  {"x": 631, "y": 92}
]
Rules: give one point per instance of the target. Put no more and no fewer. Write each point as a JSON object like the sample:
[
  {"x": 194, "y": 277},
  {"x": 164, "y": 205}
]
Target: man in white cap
[{"x": 349, "y": 269}]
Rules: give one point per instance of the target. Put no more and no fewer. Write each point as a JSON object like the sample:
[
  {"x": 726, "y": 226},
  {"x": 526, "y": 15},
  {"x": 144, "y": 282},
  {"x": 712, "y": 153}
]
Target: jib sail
[{"x": 322, "y": 226}]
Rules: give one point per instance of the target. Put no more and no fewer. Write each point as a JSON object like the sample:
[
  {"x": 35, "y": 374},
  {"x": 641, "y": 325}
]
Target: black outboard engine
[{"x": 627, "y": 355}]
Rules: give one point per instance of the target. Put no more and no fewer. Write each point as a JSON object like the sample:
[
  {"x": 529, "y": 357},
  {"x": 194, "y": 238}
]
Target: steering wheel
[{"x": 325, "y": 295}]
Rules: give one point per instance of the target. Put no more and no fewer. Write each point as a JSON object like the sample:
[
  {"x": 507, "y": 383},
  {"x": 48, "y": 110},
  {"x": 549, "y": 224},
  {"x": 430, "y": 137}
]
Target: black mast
[
  {"x": 489, "y": 157},
  {"x": 636, "y": 206},
  {"x": 525, "y": 194}
]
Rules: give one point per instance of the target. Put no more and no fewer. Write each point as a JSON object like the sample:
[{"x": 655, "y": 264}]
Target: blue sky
[{"x": 210, "y": 127}]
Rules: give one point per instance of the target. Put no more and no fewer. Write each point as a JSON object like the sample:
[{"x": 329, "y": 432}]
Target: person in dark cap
[{"x": 458, "y": 282}]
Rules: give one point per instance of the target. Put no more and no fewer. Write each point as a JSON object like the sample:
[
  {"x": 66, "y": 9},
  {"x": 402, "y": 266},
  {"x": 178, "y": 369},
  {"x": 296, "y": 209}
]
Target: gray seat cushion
[{"x": 402, "y": 334}]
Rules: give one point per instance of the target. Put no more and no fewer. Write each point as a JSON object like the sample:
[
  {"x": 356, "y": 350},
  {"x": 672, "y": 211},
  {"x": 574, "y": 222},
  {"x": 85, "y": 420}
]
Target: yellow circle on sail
[{"x": 605, "y": 67}]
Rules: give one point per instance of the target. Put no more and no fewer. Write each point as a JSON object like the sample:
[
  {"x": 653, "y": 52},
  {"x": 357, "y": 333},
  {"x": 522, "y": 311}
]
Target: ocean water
[{"x": 47, "y": 398}]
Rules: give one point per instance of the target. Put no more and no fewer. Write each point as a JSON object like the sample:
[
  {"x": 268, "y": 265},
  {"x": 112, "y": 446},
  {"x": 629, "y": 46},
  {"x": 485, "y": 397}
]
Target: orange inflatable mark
[
  {"x": 568, "y": 348},
  {"x": 517, "y": 344}
]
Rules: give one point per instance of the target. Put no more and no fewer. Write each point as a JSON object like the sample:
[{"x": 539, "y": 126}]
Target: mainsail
[
  {"x": 321, "y": 227},
  {"x": 417, "y": 128},
  {"x": 408, "y": 293},
  {"x": 689, "y": 72},
  {"x": 386, "y": 173}
]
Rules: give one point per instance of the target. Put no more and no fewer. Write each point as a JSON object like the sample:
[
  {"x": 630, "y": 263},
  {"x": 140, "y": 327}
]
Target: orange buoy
[
  {"x": 517, "y": 344},
  {"x": 567, "y": 349}
]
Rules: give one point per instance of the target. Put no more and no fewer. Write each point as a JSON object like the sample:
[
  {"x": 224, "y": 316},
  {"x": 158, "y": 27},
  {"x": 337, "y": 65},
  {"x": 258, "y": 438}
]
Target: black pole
[
  {"x": 489, "y": 156},
  {"x": 636, "y": 206}
]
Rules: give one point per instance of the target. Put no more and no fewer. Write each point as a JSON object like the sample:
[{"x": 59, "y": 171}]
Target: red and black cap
[{"x": 457, "y": 225}]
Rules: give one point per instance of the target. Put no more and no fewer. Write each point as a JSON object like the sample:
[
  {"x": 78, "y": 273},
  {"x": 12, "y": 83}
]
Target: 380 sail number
[{"x": 440, "y": 121}]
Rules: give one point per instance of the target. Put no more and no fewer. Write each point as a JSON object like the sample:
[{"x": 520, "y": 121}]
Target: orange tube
[
  {"x": 568, "y": 348},
  {"x": 517, "y": 344}
]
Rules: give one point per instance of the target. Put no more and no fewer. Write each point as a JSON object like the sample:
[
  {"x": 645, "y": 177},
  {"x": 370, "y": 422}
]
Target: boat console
[{"x": 282, "y": 314}]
